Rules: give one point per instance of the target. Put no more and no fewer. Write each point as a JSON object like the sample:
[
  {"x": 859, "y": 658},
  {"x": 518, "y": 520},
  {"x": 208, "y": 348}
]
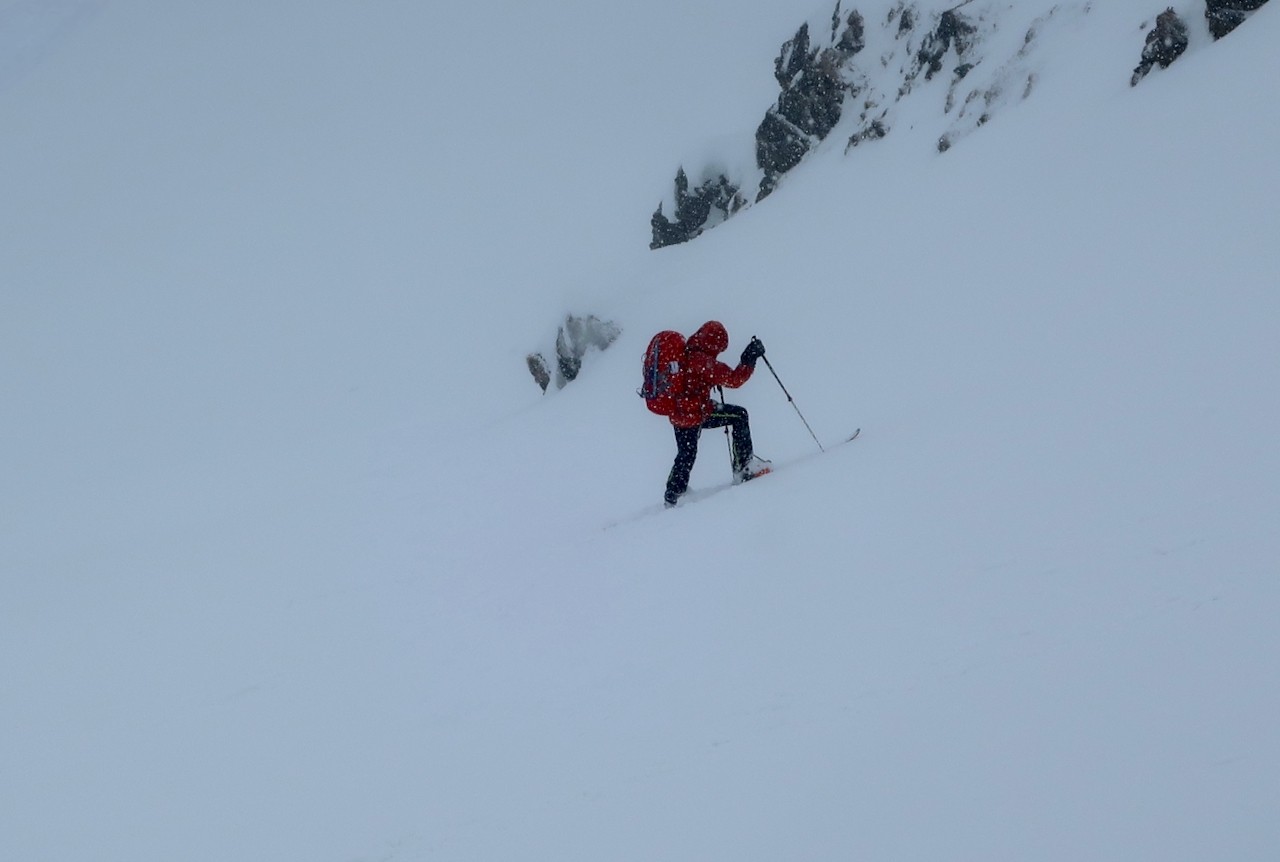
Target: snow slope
[{"x": 296, "y": 562}]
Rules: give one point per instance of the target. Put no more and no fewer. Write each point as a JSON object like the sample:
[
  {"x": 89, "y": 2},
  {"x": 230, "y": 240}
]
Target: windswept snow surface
[{"x": 296, "y": 562}]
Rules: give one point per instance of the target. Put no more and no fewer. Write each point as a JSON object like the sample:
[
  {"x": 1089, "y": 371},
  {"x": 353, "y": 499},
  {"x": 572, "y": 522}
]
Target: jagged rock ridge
[
  {"x": 822, "y": 83},
  {"x": 856, "y": 74}
]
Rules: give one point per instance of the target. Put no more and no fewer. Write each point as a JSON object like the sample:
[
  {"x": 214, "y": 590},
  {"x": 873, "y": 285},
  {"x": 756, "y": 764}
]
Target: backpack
[{"x": 662, "y": 381}]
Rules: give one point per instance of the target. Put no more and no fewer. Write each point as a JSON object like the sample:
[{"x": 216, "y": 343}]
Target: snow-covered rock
[
  {"x": 1165, "y": 43},
  {"x": 958, "y": 63}
]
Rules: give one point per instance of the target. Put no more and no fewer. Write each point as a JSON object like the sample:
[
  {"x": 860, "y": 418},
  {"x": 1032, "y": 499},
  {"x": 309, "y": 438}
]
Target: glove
[{"x": 753, "y": 351}]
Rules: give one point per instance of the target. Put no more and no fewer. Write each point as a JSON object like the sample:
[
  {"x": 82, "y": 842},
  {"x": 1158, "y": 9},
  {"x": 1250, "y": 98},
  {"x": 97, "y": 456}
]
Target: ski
[{"x": 694, "y": 495}]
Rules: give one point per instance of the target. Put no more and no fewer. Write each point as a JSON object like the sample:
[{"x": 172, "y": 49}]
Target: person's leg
[
  {"x": 735, "y": 417},
  {"x": 686, "y": 453}
]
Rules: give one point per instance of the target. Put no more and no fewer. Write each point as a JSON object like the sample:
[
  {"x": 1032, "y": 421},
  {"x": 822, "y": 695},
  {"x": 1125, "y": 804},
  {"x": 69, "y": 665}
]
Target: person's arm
[
  {"x": 732, "y": 377},
  {"x": 735, "y": 377}
]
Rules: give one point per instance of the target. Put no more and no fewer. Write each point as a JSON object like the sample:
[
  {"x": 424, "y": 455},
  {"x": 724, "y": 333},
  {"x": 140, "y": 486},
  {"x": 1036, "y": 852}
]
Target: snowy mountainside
[
  {"x": 870, "y": 69},
  {"x": 297, "y": 563}
]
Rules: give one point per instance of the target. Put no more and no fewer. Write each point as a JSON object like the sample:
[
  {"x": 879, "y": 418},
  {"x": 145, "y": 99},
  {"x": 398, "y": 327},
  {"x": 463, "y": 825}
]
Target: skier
[{"x": 694, "y": 409}]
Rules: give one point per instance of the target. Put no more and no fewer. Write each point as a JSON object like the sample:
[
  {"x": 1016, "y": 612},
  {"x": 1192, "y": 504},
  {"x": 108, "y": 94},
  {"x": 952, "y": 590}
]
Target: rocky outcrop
[
  {"x": 819, "y": 81},
  {"x": 1165, "y": 43},
  {"x": 856, "y": 76},
  {"x": 574, "y": 338},
  {"x": 871, "y": 130},
  {"x": 780, "y": 146},
  {"x": 812, "y": 99},
  {"x": 538, "y": 368},
  {"x": 814, "y": 90},
  {"x": 953, "y": 31},
  {"x": 853, "y": 38},
  {"x": 694, "y": 209},
  {"x": 1226, "y": 15}
]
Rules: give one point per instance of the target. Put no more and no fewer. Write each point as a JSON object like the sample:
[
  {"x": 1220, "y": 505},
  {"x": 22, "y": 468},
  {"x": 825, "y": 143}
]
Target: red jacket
[{"x": 701, "y": 371}]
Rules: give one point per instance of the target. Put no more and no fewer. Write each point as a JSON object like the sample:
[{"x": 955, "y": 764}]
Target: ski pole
[
  {"x": 793, "y": 402},
  {"x": 728, "y": 439}
]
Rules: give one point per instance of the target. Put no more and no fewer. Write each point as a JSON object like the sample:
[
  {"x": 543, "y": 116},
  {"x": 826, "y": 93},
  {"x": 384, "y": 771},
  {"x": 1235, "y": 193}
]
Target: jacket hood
[{"x": 711, "y": 338}]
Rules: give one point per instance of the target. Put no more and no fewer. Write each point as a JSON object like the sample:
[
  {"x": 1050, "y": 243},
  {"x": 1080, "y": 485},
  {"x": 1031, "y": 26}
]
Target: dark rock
[
  {"x": 693, "y": 209},
  {"x": 793, "y": 58},
  {"x": 953, "y": 30},
  {"x": 1226, "y": 15},
  {"x": 566, "y": 362},
  {"x": 872, "y": 131},
  {"x": 854, "y": 38},
  {"x": 906, "y": 18},
  {"x": 538, "y": 368},
  {"x": 724, "y": 195},
  {"x": 810, "y": 104},
  {"x": 780, "y": 145},
  {"x": 1223, "y": 21},
  {"x": 811, "y": 87},
  {"x": 1165, "y": 43},
  {"x": 664, "y": 231},
  {"x": 580, "y": 333},
  {"x": 813, "y": 103}
]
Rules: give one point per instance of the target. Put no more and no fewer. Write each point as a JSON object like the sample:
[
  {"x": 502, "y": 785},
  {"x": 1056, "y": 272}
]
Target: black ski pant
[{"x": 687, "y": 446}]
